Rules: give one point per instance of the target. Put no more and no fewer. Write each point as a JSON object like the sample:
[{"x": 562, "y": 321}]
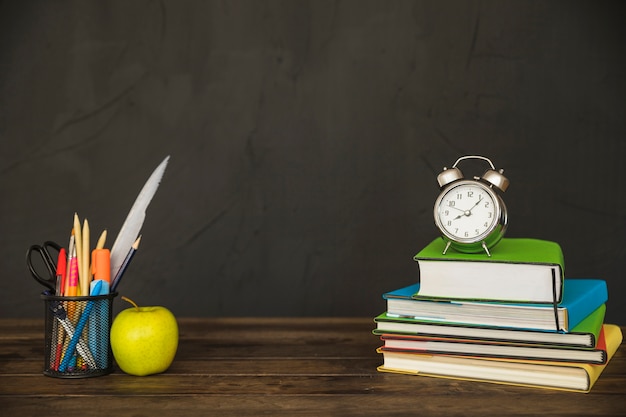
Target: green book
[{"x": 519, "y": 270}]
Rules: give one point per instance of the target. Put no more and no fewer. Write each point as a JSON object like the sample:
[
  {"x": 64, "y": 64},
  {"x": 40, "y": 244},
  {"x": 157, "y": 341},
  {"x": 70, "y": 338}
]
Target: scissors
[{"x": 49, "y": 279}]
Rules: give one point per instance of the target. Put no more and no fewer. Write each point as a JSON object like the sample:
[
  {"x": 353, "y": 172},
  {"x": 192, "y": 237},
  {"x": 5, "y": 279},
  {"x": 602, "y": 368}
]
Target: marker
[
  {"x": 98, "y": 336},
  {"x": 99, "y": 341},
  {"x": 61, "y": 266},
  {"x": 60, "y": 287},
  {"x": 101, "y": 264}
]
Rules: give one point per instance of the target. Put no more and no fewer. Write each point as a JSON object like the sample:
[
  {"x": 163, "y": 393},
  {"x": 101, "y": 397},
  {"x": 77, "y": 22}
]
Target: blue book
[{"x": 581, "y": 297}]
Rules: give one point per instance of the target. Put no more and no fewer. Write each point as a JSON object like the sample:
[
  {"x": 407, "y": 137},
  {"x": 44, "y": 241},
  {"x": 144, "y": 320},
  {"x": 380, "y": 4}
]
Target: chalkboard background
[{"x": 305, "y": 139}]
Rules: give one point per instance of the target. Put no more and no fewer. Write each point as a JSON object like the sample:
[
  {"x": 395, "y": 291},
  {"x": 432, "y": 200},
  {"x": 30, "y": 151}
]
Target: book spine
[{"x": 578, "y": 310}]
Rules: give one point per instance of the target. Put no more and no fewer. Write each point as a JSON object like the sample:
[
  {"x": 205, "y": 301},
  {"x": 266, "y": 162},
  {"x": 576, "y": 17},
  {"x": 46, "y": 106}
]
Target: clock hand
[
  {"x": 460, "y": 215},
  {"x": 469, "y": 212}
]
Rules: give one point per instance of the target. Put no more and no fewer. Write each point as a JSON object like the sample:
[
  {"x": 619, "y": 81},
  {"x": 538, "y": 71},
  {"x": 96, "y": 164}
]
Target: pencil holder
[{"x": 77, "y": 336}]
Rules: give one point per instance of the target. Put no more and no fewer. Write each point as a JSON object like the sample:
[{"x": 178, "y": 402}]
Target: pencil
[
  {"x": 124, "y": 266},
  {"x": 86, "y": 253},
  {"x": 78, "y": 244},
  {"x": 102, "y": 240}
]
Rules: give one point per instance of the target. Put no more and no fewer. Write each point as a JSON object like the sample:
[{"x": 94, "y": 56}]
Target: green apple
[{"x": 144, "y": 339}]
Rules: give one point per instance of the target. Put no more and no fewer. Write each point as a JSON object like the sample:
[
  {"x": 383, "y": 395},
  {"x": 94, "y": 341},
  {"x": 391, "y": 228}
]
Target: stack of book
[{"x": 511, "y": 318}]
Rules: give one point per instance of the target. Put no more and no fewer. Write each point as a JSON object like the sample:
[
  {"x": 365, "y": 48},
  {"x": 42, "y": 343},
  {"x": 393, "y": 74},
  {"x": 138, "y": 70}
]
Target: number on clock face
[{"x": 467, "y": 212}]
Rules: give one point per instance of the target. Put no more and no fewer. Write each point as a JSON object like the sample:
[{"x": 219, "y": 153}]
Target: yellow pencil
[
  {"x": 102, "y": 240},
  {"x": 78, "y": 244},
  {"x": 85, "y": 277}
]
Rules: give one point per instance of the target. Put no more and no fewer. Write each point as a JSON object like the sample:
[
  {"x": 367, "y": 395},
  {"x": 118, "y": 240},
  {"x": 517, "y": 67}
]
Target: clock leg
[
  {"x": 447, "y": 247},
  {"x": 485, "y": 248}
]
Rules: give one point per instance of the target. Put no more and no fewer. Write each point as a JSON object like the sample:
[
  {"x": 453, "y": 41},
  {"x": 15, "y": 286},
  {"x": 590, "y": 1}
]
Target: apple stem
[{"x": 130, "y": 301}]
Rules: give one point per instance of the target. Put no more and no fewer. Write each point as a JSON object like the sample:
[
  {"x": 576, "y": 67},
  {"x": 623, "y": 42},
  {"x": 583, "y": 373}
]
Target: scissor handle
[{"x": 48, "y": 261}]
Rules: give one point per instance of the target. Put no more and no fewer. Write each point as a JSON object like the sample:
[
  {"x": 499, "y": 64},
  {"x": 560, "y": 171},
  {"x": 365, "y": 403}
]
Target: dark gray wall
[{"x": 305, "y": 138}]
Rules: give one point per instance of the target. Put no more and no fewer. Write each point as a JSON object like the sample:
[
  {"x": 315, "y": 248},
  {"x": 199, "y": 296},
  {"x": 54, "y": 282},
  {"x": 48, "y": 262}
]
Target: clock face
[{"x": 467, "y": 212}]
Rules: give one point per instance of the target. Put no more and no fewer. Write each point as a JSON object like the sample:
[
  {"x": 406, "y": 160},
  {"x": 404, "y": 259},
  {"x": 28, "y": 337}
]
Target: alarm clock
[{"x": 470, "y": 213}]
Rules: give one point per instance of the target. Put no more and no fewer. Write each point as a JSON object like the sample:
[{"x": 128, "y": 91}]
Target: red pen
[
  {"x": 60, "y": 286},
  {"x": 61, "y": 268}
]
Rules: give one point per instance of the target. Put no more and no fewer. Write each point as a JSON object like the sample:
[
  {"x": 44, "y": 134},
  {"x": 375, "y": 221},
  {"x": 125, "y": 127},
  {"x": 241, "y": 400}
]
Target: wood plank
[
  {"x": 270, "y": 384},
  {"x": 449, "y": 400},
  {"x": 237, "y": 366}
]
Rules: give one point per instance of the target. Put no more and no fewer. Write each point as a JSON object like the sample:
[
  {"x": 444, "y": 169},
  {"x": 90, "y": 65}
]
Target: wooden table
[{"x": 270, "y": 367}]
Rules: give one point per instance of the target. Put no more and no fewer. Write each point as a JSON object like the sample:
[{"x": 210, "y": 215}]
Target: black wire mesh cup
[{"x": 77, "y": 336}]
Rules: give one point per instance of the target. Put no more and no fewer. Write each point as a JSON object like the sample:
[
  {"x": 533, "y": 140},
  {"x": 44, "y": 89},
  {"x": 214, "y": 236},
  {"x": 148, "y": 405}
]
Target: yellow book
[{"x": 579, "y": 377}]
